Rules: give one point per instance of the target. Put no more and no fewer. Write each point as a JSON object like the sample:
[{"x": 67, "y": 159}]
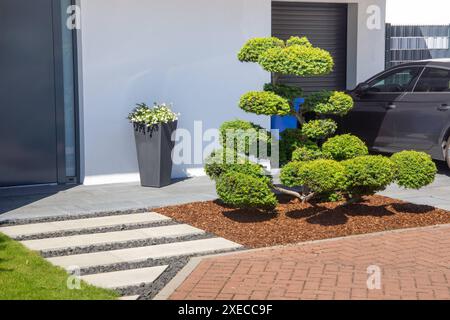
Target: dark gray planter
[{"x": 154, "y": 150}]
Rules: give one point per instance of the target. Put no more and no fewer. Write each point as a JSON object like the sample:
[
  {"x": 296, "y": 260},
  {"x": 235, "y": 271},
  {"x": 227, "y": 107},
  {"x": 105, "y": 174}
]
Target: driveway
[
  {"x": 436, "y": 195},
  {"x": 409, "y": 264}
]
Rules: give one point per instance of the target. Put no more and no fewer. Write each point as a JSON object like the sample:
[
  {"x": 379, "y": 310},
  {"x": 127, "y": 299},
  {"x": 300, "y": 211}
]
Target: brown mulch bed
[{"x": 296, "y": 222}]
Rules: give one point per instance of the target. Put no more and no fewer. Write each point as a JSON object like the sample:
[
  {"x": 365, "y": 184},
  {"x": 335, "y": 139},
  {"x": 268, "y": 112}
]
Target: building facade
[{"x": 66, "y": 94}]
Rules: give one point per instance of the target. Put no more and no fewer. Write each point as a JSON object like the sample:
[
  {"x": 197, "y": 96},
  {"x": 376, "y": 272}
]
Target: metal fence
[{"x": 406, "y": 43}]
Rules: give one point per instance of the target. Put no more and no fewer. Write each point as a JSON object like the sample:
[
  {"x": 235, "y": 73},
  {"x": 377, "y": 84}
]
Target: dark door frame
[{"x": 59, "y": 96}]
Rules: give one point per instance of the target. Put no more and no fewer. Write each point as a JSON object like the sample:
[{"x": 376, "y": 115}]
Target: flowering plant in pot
[{"x": 153, "y": 129}]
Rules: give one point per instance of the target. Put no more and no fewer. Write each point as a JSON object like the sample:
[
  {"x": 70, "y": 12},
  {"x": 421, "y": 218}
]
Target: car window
[
  {"x": 398, "y": 80},
  {"x": 434, "y": 80}
]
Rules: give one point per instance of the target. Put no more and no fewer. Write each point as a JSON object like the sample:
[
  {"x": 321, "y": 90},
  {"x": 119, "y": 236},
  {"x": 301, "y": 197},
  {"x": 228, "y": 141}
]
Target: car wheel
[{"x": 447, "y": 152}]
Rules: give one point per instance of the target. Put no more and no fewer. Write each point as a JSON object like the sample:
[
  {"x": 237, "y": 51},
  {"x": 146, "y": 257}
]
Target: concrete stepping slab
[
  {"x": 80, "y": 224},
  {"x": 111, "y": 237},
  {"x": 144, "y": 253},
  {"x": 129, "y": 298},
  {"x": 124, "y": 279}
]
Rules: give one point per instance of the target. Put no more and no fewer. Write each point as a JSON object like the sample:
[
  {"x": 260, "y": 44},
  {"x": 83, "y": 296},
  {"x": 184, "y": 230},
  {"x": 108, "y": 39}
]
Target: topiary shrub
[
  {"x": 308, "y": 152},
  {"x": 245, "y": 191},
  {"x": 300, "y": 41},
  {"x": 243, "y": 137},
  {"x": 329, "y": 103},
  {"x": 319, "y": 176},
  {"x": 414, "y": 170},
  {"x": 285, "y": 91},
  {"x": 344, "y": 147},
  {"x": 290, "y": 174},
  {"x": 367, "y": 175},
  {"x": 290, "y": 140},
  {"x": 264, "y": 103},
  {"x": 297, "y": 60},
  {"x": 251, "y": 51},
  {"x": 312, "y": 175},
  {"x": 220, "y": 162},
  {"x": 319, "y": 129}
]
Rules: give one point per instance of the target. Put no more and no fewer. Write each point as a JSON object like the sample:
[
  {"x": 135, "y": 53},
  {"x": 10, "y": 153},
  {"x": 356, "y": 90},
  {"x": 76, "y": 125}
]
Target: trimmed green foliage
[
  {"x": 300, "y": 41},
  {"x": 244, "y": 137},
  {"x": 414, "y": 170},
  {"x": 217, "y": 165},
  {"x": 252, "y": 50},
  {"x": 290, "y": 140},
  {"x": 285, "y": 91},
  {"x": 323, "y": 176},
  {"x": 319, "y": 129},
  {"x": 320, "y": 176},
  {"x": 344, "y": 147},
  {"x": 297, "y": 60},
  {"x": 290, "y": 174},
  {"x": 367, "y": 175},
  {"x": 264, "y": 103},
  {"x": 329, "y": 103},
  {"x": 308, "y": 152},
  {"x": 24, "y": 275},
  {"x": 245, "y": 191}
]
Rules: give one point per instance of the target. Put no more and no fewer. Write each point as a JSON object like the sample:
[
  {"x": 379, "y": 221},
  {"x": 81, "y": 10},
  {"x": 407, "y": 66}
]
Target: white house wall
[{"x": 181, "y": 52}]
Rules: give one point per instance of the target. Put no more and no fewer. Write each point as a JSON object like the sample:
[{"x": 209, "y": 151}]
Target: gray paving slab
[
  {"x": 129, "y": 298},
  {"x": 111, "y": 237},
  {"x": 124, "y": 279},
  {"x": 80, "y": 224},
  {"x": 39, "y": 202},
  {"x": 143, "y": 253}
]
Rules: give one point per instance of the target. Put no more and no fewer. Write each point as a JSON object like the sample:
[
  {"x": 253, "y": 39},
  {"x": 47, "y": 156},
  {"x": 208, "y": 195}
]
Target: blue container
[{"x": 287, "y": 122}]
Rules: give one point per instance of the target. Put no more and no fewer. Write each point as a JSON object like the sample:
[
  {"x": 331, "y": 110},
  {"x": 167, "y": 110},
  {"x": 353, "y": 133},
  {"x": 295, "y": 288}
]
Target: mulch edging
[{"x": 295, "y": 222}]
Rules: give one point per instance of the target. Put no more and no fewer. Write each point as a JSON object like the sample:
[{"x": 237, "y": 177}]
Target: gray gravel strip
[
  {"x": 19, "y": 222},
  {"x": 97, "y": 230},
  {"x": 123, "y": 245},
  {"x": 147, "y": 263}
]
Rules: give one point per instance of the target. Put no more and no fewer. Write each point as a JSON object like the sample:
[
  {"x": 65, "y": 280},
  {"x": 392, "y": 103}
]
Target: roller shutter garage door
[{"x": 325, "y": 25}]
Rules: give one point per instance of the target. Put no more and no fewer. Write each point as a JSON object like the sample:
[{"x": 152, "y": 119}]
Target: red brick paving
[{"x": 415, "y": 264}]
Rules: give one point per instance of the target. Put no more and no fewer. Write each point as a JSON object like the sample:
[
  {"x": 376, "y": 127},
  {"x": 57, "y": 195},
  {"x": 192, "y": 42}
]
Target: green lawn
[{"x": 24, "y": 275}]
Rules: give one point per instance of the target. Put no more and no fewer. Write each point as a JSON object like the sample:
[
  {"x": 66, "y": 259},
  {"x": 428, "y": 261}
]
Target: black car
[{"x": 406, "y": 107}]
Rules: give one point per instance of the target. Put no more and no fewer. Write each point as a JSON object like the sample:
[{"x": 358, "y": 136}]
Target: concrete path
[
  {"x": 85, "y": 240},
  {"x": 38, "y": 202},
  {"x": 139, "y": 254},
  {"x": 111, "y": 259},
  {"x": 436, "y": 195},
  {"x": 407, "y": 264}
]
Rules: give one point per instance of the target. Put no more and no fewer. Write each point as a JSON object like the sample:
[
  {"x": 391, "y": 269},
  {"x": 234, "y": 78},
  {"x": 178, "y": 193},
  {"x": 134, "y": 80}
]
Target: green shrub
[
  {"x": 329, "y": 103},
  {"x": 252, "y": 50},
  {"x": 367, "y": 175},
  {"x": 308, "y": 152},
  {"x": 414, "y": 170},
  {"x": 244, "y": 137},
  {"x": 300, "y": 41},
  {"x": 320, "y": 176},
  {"x": 297, "y": 60},
  {"x": 323, "y": 176},
  {"x": 290, "y": 140},
  {"x": 344, "y": 147},
  {"x": 319, "y": 129},
  {"x": 285, "y": 91},
  {"x": 245, "y": 191},
  {"x": 264, "y": 103},
  {"x": 290, "y": 174}
]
